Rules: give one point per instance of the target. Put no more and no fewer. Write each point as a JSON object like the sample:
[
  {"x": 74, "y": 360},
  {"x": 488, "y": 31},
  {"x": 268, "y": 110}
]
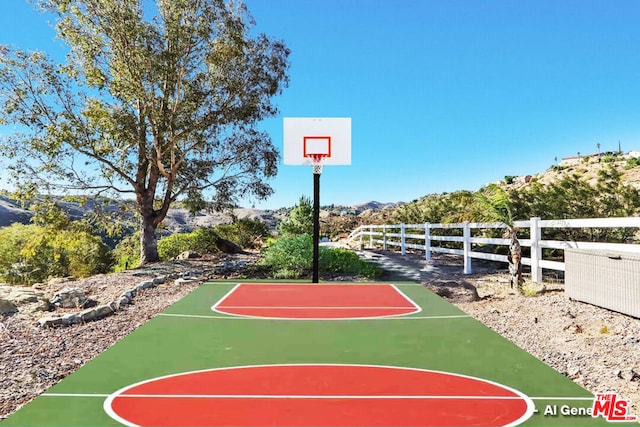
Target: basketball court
[
  {"x": 323, "y": 355},
  {"x": 293, "y": 354}
]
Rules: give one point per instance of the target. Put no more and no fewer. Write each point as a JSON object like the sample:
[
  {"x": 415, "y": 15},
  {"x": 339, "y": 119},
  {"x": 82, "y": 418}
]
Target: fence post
[
  {"x": 403, "y": 239},
  {"x": 384, "y": 237},
  {"x": 466, "y": 246},
  {"x": 371, "y": 237},
  {"x": 427, "y": 240},
  {"x": 361, "y": 237},
  {"x": 536, "y": 250}
]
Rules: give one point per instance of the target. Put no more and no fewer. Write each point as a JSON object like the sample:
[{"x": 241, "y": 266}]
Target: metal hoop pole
[{"x": 316, "y": 227}]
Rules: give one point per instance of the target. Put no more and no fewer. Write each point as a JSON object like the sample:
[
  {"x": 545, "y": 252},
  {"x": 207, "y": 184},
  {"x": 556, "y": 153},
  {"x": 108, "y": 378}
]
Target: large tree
[{"x": 158, "y": 99}]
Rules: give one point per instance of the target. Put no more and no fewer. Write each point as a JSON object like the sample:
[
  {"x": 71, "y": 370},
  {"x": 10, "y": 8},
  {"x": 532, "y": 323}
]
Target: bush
[
  {"x": 202, "y": 240},
  {"x": 31, "y": 253},
  {"x": 246, "y": 232},
  {"x": 632, "y": 162},
  {"x": 347, "y": 262},
  {"x": 127, "y": 252},
  {"x": 290, "y": 258}
]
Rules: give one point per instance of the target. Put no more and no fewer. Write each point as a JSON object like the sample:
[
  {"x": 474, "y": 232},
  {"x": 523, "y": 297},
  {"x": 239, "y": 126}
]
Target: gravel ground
[
  {"x": 33, "y": 359},
  {"x": 596, "y": 348}
]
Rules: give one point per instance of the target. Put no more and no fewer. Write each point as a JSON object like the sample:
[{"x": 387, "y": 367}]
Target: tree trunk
[
  {"x": 515, "y": 260},
  {"x": 148, "y": 241}
]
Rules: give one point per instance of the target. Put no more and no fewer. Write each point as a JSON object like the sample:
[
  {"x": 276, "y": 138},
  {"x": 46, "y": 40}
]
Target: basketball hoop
[{"x": 316, "y": 162}]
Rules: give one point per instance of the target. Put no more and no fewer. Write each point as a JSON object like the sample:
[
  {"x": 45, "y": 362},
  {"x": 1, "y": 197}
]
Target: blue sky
[{"x": 443, "y": 95}]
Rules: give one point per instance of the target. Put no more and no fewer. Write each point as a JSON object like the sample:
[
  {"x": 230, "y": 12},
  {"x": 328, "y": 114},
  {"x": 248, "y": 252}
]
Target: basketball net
[{"x": 316, "y": 162}]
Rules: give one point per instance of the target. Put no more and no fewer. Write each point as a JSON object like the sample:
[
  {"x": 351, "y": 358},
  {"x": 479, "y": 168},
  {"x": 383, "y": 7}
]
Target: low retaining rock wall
[{"x": 102, "y": 311}]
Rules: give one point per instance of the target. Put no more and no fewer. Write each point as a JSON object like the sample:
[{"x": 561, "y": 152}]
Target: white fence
[{"x": 404, "y": 236}]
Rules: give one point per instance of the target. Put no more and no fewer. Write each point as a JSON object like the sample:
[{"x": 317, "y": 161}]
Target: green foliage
[
  {"x": 508, "y": 179},
  {"x": 49, "y": 214},
  {"x": 127, "y": 252},
  {"x": 632, "y": 162},
  {"x": 163, "y": 98},
  {"x": 493, "y": 204},
  {"x": 300, "y": 219},
  {"x": 31, "y": 253},
  {"x": 610, "y": 157},
  {"x": 246, "y": 232},
  {"x": 202, "y": 240},
  {"x": 343, "y": 261},
  {"x": 292, "y": 257},
  {"x": 435, "y": 208}
]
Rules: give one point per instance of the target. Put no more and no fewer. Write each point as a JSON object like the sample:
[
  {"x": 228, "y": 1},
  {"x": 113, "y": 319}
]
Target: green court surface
[{"x": 436, "y": 339}]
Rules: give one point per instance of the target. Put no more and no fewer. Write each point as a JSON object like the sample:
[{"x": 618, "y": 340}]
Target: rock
[
  {"x": 159, "y": 280},
  {"x": 103, "y": 311},
  {"x": 183, "y": 280},
  {"x": 145, "y": 285},
  {"x": 88, "y": 315},
  {"x": 49, "y": 322},
  {"x": 7, "y": 307},
  {"x": 72, "y": 298},
  {"x": 188, "y": 255},
  {"x": 124, "y": 300},
  {"x": 71, "y": 319},
  {"x": 32, "y": 300},
  {"x": 228, "y": 247}
]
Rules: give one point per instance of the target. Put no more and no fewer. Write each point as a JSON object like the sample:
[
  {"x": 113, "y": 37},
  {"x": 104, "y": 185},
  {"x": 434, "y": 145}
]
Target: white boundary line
[
  {"x": 518, "y": 395},
  {"x": 218, "y": 309},
  {"x": 230, "y": 317},
  {"x": 301, "y": 396}
]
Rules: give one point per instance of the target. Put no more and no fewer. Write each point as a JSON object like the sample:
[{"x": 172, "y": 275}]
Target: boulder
[
  {"x": 188, "y": 255},
  {"x": 88, "y": 315},
  {"x": 71, "y": 319},
  {"x": 7, "y": 307},
  {"x": 72, "y": 298},
  {"x": 25, "y": 297},
  {"x": 183, "y": 280},
  {"x": 49, "y": 322},
  {"x": 159, "y": 280},
  {"x": 103, "y": 311},
  {"x": 145, "y": 285},
  {"x": 228, "y": 247}
]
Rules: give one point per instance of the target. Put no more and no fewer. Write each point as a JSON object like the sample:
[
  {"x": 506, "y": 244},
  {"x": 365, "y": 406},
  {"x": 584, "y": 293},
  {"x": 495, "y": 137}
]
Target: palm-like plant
[{"x": 494, "y": 205}]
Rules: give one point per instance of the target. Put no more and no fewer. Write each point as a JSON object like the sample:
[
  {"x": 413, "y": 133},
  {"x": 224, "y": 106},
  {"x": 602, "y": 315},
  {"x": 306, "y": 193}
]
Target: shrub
[
  {"x": 127, "y": 252},
  {"x": 345, "y": 261},
  {"x": 289, "y": 257},
  {"x": 246, "y": 232},
  {"x": 202, "y": 240},
  {"x": 31, "y": 253},
  {"x": 632, "y": 162},
  {"x": 292, "y": 257}
]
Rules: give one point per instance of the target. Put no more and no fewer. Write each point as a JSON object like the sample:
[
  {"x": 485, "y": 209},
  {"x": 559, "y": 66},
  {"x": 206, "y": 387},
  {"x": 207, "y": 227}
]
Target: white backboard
[{"x": 305, "y": 136}]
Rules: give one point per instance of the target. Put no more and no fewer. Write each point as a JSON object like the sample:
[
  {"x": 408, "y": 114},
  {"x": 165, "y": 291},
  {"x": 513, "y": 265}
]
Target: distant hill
[
  {"x": 180, "y": 220},
  {"x": 10, "y": 212}
]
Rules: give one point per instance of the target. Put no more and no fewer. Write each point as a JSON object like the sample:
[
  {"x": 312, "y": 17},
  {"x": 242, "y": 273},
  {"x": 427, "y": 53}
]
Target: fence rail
[{"x": 419, "y": 237}]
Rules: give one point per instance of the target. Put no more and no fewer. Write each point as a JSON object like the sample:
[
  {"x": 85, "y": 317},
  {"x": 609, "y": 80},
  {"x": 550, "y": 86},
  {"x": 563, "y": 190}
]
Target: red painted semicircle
[{"x": 318, "y": 395}]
